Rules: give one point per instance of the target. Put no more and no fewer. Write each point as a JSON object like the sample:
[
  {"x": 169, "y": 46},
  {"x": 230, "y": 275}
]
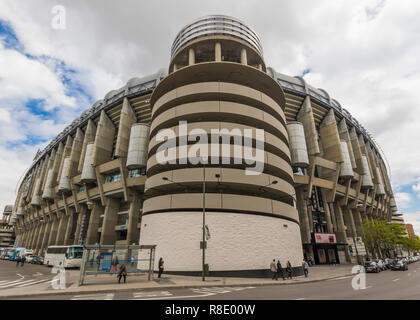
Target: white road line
[
  {"x": 368, "y": 287},
  {"x": 340, "y": 278},
  {"x": 179, "y": 297},
  {"x": 151, "y": 294},
  {"x": 10, "y": 282},
  {"x": 32, "y": 283},
  {"x": 15, "y": 284},
  {"x": 106, "y": 296},
  {"x": 300, "y": 299},
  {"x": 396, "y": 279},
  {"x": 18, "y": 274}
]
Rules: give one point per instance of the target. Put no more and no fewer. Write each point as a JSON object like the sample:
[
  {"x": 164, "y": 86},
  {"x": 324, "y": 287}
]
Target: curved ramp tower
[{"x": 218, "y": 100}]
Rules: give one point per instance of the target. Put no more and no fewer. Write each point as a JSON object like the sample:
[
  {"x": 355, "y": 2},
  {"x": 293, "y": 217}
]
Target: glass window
[
  {"x": 113, "y": 177},
  {"x": 82, "y": 188},
  {"x": 137, "y": 172}
]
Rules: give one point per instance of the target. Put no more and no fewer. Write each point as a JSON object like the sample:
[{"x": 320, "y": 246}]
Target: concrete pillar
[
  {"x": 54, "y": 229},
  {"x": 133, "y": 234},
  {"x": 357, "y": 152},
  {"x": 327, "y": 211},
  {"x": 75, "y": 154},
  {"x": 69, "y": 228},
  {"x": 330, "y": 138},
  {"x": 92, "y": 232},
  {"x": 66, "y": 154},
  {"x": 340, "y": 234},
  {"x": 40, "y": 237},
  {"x": 175, "y": 67},
  {"x": 306, "y": 117},
  {"x": 80, "y": 215},
  {"x": 344, "y": 135},
  {"x": 104, "y": 140},
  {"x": 305, "y": 229},
  {"x": 127, "y": 119},
  {"x": 112, "y": 207},
  {"x": 217, "y": 52},
  {"x": 244, "y": 58},
  {"x": 191, "y": 57},
  {"x": 46, "y": 235},
  {"x": 358, "y": 222},
  {"x": 57, "y": 164},
  {"x": 35, "y": 235},
  {"x": 61, "y": 231},
  {"x": 89, "y": 137}
]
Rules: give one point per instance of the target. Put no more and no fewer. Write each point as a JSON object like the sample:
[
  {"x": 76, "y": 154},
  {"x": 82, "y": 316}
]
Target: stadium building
[{"x": 301, "y": 188}]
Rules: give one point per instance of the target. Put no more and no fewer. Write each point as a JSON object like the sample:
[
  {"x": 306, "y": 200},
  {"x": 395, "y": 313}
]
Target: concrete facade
[{"x": 90, "y": 186}]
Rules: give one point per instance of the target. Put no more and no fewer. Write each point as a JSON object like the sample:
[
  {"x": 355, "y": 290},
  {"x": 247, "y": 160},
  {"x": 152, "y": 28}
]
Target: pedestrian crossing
[{"x": 21, "y": 283}]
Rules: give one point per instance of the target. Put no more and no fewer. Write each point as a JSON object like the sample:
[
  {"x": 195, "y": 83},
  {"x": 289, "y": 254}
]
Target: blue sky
[{"x": 364, "y": 53}]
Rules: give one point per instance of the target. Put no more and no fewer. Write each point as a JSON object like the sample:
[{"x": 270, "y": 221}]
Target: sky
[{"x": 364, "y": 53}]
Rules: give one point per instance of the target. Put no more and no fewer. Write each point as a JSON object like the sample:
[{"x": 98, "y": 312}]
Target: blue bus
[{"x": 15, "y": 253}]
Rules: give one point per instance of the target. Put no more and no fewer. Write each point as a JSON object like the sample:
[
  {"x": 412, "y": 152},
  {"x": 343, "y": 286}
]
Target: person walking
[
  {"x": 305, "y": 267},
  {"x": 114, "y": 264},
  {"x": 22, "y": 261},
  {"x": 280, "y": 270},
  {"x": 273, "y": 269},
  {"x": 161, "y": 262},
  {"x": 122, "y": 273},
  {"x": 17, "y": 261},
  {"x": 289, "y": 270}
]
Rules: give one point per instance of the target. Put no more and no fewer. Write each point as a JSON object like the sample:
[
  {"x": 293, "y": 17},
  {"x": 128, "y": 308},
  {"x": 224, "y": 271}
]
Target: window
[
  {"x": 113, "y": 177},
  {"x": 82, "y": 188},
  {"x": 137, "y": 172}
]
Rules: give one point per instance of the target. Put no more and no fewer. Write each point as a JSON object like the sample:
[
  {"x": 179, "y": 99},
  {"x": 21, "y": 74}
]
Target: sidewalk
[{"x": 107, "y": 283}]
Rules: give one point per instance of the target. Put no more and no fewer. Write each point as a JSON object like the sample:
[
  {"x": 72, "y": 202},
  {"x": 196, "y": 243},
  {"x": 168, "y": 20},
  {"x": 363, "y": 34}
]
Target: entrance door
[
  {"x": 321, "y": 256},
  {"x": 331, "y": 255}
]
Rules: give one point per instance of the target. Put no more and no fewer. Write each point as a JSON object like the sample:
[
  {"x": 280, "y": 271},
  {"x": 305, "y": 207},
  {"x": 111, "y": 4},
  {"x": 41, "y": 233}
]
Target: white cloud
[
  {"x": 403, "y": 200},
  {"x": 414, "y": 219},
  {"x": 416, "y": 187}
]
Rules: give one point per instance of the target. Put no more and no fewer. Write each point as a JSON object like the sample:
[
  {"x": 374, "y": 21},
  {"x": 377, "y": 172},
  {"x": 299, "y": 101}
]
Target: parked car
[
  {"x": 29, "y": 258},
  {"x": 388, "y": 263},
  {"x": 380, "y": 263},
  {"x": 37, "y": 260},
  {"x": 399, "y": 265},
  {"x": 371, "y": 266}
]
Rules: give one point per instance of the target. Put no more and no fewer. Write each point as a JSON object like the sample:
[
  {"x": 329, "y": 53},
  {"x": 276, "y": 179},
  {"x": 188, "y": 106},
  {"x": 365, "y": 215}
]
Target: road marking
[
  {"x": 368, "y": 287},
  {"x": 10, "y": 284},
  {"x": 180, "y": 297},
  {"x": 300, "y": 299},
  {"x": 409, "y": 274},
  {"x": 31, "y": 283},
  {"x": 18, "y": 274},
  {"x": 152, "y": 294},
  {"x": 396, "y": 279},
  {"x": 104, "y": 296},
  {"x": 340, "y": 278},
  {"x": 38, "y": 274}
]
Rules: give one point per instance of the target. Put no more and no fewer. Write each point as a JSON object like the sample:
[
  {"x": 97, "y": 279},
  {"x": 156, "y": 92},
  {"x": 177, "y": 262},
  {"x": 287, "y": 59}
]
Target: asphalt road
[{"x": 388, "y": 284}]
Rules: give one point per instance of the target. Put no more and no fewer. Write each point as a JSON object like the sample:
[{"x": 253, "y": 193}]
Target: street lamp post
[{"x": 204, "y": 223}]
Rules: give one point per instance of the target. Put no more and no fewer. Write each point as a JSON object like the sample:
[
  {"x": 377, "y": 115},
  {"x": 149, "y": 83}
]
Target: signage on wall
[{"x": 325, "y": 238}]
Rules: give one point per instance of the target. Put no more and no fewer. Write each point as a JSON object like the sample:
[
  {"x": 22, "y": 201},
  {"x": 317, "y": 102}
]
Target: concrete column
[
  {"x": 46, "y": 235},
  {"x": 69, "y": 228},
  {"x": 80, "y": 215},
  {"x": 358, "y": 222},
  {"x": 32, "y": 236},
  {"x": 217, "y": 52},
  {"x": 244, "y": 58},
  {"x": 327, "y": 211},
  {"x": 127, "y": 119},
  {"x": 305, "y": 229},
  {"x": 330, "y": 138},
  {"x": 175, "y": 67},
  {"x": 89, "y": 137},
  {"x": 40, "y": 238},
  {"x": 340, "y": 233},
  {"x": 108, "y": 235},
  {"x": 54, "y": 229},
  {"x": 92, "y": 232},
  {"x": 75, "y": 154},
  {"x": 306, "y": 116},
  {"x": 191, "y": 57},
  {"x": 35, "y": 235},
  {"x": 61, "y": 231},
  {"x": 133, "y": 234},
  {"x": 104, "y": 140}
]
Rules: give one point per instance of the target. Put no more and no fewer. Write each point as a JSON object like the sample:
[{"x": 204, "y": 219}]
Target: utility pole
[{"x": 204, "y": 222}]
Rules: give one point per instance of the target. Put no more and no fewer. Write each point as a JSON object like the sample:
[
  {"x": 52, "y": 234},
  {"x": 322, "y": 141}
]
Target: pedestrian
[
  {"x": 305, "y": 267},
  {"x": 289, "y": 270},
  {"x": 161, "y": 262},
  {"x": 17, "y": 261},
  {"x": 280, "y": 270},
  {"x": 273, "y": 269},
  {"x": 114, "y": 264},
  {"x": 22, "y": 261},
  {"x": 122, "y": 273}
]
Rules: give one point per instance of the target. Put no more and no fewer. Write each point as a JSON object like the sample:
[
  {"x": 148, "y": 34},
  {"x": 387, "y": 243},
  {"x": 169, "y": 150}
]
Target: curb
[{"x": 59, "y": 292}]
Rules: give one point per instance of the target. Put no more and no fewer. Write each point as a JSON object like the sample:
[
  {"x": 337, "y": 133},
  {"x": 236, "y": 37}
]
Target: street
[{"x": 388, "y": 284}]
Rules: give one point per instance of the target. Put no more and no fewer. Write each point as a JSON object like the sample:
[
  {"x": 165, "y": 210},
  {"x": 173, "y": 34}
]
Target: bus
[
  {"x": 14, "y": 253},
  {"x": 65, "y": 256}
]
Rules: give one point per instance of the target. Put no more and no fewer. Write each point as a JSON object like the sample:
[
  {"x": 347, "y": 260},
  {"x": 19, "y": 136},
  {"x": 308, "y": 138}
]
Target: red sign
[{"x": 325, "y": 238}]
